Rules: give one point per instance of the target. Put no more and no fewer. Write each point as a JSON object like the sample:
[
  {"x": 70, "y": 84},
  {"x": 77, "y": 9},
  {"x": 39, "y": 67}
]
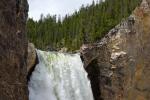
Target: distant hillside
[{"x": 88, "y": 25}]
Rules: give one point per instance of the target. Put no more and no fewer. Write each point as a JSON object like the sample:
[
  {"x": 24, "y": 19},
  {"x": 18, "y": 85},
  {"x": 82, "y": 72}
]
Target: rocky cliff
[
  {"x": 13, "y": 50},
  {"x": 119, "y": 65}
]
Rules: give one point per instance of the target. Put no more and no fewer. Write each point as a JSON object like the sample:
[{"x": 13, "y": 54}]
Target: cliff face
[
  {"x": 13, "y": 50},
  {"x": 119, "y": 66}
]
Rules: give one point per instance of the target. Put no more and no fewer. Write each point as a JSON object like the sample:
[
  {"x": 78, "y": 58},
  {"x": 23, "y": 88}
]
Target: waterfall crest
[{"x": 59, "y": 76}]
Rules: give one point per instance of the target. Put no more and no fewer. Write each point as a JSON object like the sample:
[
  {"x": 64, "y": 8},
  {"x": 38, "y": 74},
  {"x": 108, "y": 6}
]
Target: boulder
[
  {"x": 64, "y": 49},
  {"x": 119, "y": 65}
]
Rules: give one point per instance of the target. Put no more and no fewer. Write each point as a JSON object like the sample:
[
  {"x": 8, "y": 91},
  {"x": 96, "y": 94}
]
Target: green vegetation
[{"x": 87, "y": 25}]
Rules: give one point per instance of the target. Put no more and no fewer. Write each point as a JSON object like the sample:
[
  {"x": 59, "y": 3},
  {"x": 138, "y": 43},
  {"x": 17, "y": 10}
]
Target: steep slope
[
  {"x": 13, "y": 50},
  {"x": 119, "y": 65}
]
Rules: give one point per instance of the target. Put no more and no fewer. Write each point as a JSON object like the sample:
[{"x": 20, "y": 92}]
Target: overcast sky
[{"x": 52, "y": 7}]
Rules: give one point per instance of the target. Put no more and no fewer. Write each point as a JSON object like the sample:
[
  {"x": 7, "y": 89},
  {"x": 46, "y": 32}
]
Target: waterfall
[{"x": 59, "y": 76}]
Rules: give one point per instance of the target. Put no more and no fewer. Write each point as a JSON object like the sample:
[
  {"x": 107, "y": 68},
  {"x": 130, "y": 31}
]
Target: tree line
[{"x": 87, "y": 25}]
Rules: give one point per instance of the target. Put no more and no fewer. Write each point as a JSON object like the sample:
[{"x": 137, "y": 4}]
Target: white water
[{"x": 59, "y": 76}]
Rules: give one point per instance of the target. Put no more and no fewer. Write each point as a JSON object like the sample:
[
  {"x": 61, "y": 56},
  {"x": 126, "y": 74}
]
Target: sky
[{"x": 54, "y": 7}]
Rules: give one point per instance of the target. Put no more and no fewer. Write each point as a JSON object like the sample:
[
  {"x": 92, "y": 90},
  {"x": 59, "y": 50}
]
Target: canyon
[{"x": 118, "y": 66}]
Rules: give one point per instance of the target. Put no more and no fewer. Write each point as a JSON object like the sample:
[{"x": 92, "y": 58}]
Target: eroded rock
[
  {"x": 119, "y": 65},
  {"x": 31, "y": 59}
]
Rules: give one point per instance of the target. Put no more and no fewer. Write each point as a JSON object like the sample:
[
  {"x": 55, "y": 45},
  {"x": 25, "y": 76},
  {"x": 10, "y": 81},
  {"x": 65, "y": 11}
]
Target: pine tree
[{"x": 87, "y": 25}]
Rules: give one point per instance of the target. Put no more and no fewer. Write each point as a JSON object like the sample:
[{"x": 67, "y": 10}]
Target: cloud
[{"x": 52, "y": 7}]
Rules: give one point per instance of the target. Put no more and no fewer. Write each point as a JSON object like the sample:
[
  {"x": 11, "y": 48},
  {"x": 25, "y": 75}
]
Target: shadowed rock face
[
  {"x": 119, "y": 65},
  {"x": 13, "y": 50}
]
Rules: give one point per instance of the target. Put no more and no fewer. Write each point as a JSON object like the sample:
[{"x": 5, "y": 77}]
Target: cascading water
[{"x": 59, "y": 76}]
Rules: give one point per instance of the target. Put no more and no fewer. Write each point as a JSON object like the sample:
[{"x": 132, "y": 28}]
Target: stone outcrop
[
  {"x": 13, "y": 50},
  {"x": 119, "y": 65},
  {"x": 32, "y": 59}
]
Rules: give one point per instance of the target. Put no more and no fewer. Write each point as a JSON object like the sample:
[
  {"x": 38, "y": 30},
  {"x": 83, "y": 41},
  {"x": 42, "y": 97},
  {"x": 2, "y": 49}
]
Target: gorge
[{"x": 117, "y": 67}]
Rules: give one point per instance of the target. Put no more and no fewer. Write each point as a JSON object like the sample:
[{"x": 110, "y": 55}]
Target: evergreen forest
[{"x": 87, "y": 25}]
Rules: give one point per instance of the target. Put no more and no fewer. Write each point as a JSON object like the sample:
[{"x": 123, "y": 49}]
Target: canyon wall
[
  {"x": 13, "y": 50},
  {"x": 119, "y": 65}
]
